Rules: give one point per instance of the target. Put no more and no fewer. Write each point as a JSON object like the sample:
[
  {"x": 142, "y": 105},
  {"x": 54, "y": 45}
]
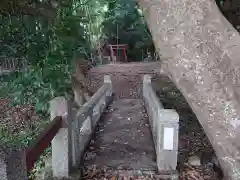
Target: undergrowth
[{"x": 35, "y": 86}]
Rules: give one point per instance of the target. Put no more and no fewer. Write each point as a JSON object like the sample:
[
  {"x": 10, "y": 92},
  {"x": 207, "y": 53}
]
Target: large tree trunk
[{"x": 200, "y": 53}]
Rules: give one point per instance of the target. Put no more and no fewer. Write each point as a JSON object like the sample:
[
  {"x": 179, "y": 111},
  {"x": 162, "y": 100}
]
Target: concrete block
[
  {"x": 167, "y": 139},
  {"x": 60, "y": 144},
  {"x": 147, "y": 79},
  {"x": 107, "y": 79}
]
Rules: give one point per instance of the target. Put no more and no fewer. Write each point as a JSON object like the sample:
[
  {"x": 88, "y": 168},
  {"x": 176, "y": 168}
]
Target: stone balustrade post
[
  {"x": 167, "y": 139},
  {"x": 107, "y": 80},
  {"x": 61, "y": 153}
]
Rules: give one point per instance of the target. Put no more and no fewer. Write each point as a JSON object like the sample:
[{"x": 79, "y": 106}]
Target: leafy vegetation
[
  {"x": 49, "y": 45},
  {"x": 125, "y": 24},
  {"x": 45, "y": 39}
]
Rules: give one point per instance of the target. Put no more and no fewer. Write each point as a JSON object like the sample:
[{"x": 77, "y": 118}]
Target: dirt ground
[
  {"x": 126, "y": 78},
  {"x": 127, "y": 83},
  {"x": 123, "y": 140},
  {"x": 17, "y": 119}
]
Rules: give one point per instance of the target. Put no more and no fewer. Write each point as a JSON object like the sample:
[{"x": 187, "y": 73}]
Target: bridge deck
[{"x": 123, "y": 138}]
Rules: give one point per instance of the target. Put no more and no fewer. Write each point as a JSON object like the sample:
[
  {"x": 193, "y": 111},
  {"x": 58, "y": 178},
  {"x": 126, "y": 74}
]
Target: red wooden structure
[
  {"x": 34, "y": 150},
  {"x": 114, "y": 55}
]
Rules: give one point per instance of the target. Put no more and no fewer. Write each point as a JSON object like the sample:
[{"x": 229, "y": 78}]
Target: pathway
[{"x": 123, "y": 139}]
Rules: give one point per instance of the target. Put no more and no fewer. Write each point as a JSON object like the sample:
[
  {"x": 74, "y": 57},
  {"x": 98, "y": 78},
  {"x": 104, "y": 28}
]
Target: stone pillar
[
  {"x": 167, "y": 140},
  {"x": 107, "y": 80},
  {"x": 147, "y": 79},
  {"x": 13, "y": 163},
  {"x": 114, "y": 59},
  {"x": 60, "y": 143},
  {"x": 146, "y": 84},
  {"x": 78, "y": 97}
]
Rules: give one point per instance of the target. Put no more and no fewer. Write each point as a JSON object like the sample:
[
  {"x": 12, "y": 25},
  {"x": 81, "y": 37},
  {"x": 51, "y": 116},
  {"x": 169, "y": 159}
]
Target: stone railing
[
  {"x": 69, "y": 144},
  {"x": 69, "y": 133},
  {"x": 164, "y": 127},
  {"x": 86, "y": 118}
]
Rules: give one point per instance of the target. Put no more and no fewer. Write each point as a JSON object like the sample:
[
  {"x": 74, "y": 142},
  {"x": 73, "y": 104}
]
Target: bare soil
[
  {"x": 126, "y": 78},
  {"x": 123, "y": 138}
]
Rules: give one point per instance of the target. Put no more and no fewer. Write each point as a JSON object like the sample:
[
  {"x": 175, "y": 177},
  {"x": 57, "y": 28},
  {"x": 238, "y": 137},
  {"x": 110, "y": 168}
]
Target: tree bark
[{"x": 200, "y": 53}]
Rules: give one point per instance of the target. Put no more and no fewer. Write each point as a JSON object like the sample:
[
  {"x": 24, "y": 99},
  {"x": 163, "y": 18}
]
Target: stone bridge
[{"x": 133, "y": 135}]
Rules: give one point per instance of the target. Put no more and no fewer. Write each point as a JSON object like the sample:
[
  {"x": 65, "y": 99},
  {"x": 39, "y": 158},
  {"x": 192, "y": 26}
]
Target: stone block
[
  {"x": 60, "y": 144},
  {"x": 167, "y": 139}
]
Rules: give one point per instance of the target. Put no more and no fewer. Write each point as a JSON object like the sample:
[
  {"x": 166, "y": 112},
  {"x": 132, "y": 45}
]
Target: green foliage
[
  {"x": 124, "y": 21},
  {"x": 219, "y": 3},
  {"x": 49, "y": 46},
  {"x": 38, "y": 85}
]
